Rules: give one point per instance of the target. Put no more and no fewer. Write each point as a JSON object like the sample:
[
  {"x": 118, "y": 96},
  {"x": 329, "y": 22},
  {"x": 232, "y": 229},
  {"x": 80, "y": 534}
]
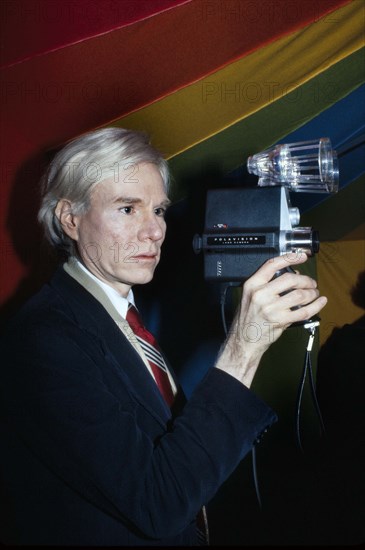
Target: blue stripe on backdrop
[{"x": 344, "y": 124}]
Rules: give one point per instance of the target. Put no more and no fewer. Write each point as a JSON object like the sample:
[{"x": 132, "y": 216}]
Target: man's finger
[{"x": 267, "y": 271}]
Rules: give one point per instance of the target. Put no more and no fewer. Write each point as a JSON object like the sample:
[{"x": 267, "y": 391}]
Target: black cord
[
  {"x": 314, "y": 397},
  {"x": 224, "y": 289},
  {"x": 299, "y": 400},
  {"x": 307, "y": 368}
]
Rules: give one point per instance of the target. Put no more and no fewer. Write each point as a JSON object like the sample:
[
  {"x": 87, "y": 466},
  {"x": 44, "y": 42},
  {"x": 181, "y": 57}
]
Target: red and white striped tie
[{"x": 150, "y": 347}]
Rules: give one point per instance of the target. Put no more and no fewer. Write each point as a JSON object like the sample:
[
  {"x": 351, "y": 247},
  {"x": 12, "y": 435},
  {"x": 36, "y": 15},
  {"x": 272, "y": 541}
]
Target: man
[{"x": 93, "y": 451}]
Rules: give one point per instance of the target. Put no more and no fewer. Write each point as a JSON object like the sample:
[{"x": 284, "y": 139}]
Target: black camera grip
[
  {"x": 278, "y": 274},
  {"x": 289, "y": 269}
]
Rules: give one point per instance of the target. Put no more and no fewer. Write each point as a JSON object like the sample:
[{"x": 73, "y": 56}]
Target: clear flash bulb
[{"x": 307, "y": 166}]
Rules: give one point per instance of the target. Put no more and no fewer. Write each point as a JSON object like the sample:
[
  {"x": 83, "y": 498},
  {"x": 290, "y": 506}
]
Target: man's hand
[{"x": 267, "y": 308}]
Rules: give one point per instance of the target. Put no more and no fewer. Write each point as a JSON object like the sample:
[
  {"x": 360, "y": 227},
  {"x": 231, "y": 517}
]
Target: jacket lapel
[{"x": 116, "y": 338}]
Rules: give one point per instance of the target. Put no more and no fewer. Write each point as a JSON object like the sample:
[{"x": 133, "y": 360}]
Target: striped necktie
[{"x": 151, "y": 350}]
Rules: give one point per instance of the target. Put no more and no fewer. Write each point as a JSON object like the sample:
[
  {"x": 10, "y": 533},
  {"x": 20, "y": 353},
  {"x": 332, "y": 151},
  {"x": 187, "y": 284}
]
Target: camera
[{"x": 244, "y": 227}]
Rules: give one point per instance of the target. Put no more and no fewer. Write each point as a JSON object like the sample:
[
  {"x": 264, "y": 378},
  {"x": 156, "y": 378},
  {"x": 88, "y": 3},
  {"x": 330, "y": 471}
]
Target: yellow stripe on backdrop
[
  {"x": 218, "y": 101},
  {"x": 338, "y": 267},
  {"x": 340, "y": 220}
]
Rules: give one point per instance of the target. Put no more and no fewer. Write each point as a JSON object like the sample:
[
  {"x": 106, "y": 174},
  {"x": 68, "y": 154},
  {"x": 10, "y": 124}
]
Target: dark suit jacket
[{"x": 89, "y": 452}]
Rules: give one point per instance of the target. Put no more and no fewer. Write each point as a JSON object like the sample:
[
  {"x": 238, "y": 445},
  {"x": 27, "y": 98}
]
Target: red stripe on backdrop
[
  {"x": 33, "y": 27},
  {"x": 43, "y": 25}
]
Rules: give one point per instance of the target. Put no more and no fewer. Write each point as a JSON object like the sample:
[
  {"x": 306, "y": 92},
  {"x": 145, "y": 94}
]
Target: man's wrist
[{"x": 239, "y": 363}]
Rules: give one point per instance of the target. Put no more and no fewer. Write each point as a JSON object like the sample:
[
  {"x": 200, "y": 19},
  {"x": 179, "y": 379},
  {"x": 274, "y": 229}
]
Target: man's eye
[
  {"x": 126, "y": 209},
  {"x": 160, "y": 211}
]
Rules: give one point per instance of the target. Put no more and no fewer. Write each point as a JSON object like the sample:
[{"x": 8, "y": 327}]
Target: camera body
[{"x": 247, "y": 226}]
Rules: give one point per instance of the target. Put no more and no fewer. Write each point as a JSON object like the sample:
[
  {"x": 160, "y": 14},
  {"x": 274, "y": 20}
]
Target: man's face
[{"x": 119, "y": 238}]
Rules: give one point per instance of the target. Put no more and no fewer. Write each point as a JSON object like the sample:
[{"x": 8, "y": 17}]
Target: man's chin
[{"x": 143, "y": 278}]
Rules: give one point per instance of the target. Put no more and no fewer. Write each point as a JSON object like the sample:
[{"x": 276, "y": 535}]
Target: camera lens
[{"x": 303, "y": 238}]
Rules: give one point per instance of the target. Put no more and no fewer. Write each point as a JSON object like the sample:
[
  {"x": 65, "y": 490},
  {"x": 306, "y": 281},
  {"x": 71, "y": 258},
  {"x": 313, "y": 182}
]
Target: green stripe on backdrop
[{"x": 231, "y": 147}]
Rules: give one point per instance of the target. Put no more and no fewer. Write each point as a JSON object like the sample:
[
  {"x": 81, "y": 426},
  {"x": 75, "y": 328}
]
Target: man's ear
[{"x": 67, "y": 219}]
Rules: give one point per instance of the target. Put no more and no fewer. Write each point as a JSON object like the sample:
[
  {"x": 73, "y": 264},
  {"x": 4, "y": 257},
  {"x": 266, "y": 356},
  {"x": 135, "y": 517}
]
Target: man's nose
[{"x": 153, "y": 228}]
